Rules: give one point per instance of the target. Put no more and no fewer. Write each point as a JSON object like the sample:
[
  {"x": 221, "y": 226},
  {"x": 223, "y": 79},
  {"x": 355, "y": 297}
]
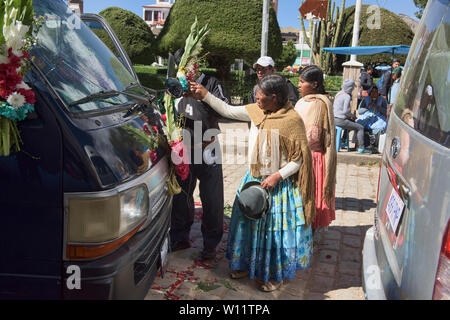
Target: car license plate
[
  {"x": 394, "y": 209},
  {"x": 164, "y": 250}
]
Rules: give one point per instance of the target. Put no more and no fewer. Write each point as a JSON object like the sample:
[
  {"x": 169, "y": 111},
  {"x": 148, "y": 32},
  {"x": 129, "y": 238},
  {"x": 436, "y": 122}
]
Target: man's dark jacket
[{"x": 366, "y": 81}]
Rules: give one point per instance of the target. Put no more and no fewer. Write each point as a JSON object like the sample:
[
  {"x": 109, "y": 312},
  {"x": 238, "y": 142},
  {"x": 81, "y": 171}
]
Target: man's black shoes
[
  {"x": 208, "y": 254},
  {"x": 180, "y": 245}
]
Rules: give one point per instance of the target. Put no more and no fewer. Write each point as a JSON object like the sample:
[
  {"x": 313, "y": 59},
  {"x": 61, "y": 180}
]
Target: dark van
[{"x": 84, "y": 205}]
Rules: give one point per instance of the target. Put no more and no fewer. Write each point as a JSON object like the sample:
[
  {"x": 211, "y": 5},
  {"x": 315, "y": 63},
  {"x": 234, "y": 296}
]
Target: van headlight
[{"x": 93, "y": 220}]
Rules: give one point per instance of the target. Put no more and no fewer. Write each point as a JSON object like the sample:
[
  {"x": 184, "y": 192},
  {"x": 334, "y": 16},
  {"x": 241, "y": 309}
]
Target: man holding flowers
[{"x": 205, "y": 158}]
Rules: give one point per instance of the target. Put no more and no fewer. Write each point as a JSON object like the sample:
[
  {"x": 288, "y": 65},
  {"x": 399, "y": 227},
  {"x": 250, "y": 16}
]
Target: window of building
[
  {"x": 156, "y": 16},
  {"x": 148, "y": 15}
]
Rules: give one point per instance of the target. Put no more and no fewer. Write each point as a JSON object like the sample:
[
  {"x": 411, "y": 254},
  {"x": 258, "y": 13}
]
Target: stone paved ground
[{"x": 335, "y": 271}]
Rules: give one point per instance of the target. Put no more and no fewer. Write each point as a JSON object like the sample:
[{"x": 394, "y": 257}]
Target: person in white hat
[{"x": 264, "y": 66}]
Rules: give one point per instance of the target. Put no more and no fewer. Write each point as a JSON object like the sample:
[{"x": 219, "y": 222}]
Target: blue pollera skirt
[{"x": 275, "y": 246}]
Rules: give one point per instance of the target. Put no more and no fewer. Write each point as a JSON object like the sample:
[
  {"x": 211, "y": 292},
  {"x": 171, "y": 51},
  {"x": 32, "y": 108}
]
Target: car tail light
[{"x": 442, "y": 283}]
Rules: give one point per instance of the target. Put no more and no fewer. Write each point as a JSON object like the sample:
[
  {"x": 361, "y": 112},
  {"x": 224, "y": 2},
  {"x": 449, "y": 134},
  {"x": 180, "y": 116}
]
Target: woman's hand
[
  {"x": 198, "y": 91},
  {"x": 271, "y": 181}
]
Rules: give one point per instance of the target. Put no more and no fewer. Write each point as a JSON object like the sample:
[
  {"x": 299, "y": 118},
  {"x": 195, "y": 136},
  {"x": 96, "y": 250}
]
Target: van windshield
[{"x": 74, "y": 60}]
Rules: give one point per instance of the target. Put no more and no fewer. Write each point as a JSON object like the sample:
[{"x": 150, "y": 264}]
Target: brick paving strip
[{"x": 335, "y": 271}]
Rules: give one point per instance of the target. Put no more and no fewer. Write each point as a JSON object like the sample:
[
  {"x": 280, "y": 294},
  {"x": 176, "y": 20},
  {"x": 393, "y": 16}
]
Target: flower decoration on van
[{"x": 16, "y": 97}]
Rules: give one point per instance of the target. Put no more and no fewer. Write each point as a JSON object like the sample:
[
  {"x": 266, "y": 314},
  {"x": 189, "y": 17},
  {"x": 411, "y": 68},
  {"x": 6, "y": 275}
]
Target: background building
[
  {"x": 303, "y": 50},
  {"x": 76, "y": 6},
  {"x": 156, "y": 14}
]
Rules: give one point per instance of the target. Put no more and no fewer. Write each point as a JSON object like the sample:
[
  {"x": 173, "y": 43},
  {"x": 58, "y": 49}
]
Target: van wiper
[{"x": 109, "y": 94}]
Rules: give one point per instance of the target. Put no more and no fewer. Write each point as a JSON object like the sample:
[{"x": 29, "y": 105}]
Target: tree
[
  {"x": 421, "y": 5},
  {"x": 288, "y": 56},
  {"x": 235, "y": 31},
  {"x": 392, "y": 30},
  {"x": 134, "y": 34}
]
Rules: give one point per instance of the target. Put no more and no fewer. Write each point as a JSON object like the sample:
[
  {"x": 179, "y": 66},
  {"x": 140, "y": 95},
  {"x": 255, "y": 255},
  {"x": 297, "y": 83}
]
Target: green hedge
[
  {"x": 235, "y": 29},
  {"x": 241, "y": 83},
  {"x": 151, "y": 77},
  {"x": 134, "y": 34}
]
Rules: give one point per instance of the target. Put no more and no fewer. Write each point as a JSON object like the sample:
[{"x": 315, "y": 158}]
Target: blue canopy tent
[{"x": 400, "y": 49}]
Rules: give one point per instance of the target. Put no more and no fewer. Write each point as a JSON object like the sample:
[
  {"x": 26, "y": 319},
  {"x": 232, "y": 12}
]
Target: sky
[{"x": 287, "y": 9}]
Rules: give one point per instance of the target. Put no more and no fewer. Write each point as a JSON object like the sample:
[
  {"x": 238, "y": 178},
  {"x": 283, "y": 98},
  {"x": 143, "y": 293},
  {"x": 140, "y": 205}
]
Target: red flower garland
[{"x": 10, "y": 78}]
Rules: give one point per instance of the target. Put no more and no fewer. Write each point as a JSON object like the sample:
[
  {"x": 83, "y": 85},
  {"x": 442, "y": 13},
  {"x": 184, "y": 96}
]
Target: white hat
[{"x": 264, "y": 62}]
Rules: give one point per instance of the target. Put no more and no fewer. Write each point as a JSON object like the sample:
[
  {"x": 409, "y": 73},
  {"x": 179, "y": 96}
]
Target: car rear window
[{"x": 424, "y": 95}]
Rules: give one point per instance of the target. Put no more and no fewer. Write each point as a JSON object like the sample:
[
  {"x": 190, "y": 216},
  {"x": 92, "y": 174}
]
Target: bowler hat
[{"x": 254, "y": 201}]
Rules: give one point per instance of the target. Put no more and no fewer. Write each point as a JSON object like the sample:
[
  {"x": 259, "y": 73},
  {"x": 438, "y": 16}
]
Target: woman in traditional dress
[
  {"x": 317, "y": 113},
  {"x": 272, "y": 248}
]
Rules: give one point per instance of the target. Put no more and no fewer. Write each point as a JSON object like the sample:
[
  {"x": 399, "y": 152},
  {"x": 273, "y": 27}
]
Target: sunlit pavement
[{"x": 335, "y": 271}]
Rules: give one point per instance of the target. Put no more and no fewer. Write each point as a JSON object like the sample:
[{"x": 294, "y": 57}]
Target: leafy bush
[
  {"x": 393, "y": 31},
  {"x": 151, "y": 77},
  {"x": 134, "y": 34},
  {"x": 235, "y": 30},
  {"x": 287, "y": 57}
]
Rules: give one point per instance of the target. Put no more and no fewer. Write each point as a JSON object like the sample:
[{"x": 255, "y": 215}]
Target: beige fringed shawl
[
  {"x": 321, "y": 114},
  {"x": 293, "y": 145}
]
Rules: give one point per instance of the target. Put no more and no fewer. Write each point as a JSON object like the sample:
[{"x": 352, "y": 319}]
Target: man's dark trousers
[{"x": 211, "y": 194}]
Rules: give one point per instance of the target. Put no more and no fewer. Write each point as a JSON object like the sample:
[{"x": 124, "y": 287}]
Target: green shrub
[
  {"x": 235, "y": 30},
  {"x": 134, "y": 34},
  {"x": 288, "y": 56},
  {"x": 393, "y": 31},
  {"x": 150, "y": 77}
]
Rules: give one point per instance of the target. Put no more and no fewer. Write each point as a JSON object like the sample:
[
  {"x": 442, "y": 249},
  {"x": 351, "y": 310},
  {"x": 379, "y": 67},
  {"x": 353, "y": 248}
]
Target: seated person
[
  {"x": 344, "y": 118},
  {"x": 372, "y": 112}
]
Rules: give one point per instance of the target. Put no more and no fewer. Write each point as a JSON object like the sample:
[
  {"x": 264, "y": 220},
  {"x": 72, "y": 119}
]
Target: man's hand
[
  {"x": 198, "y": 91},
  {"x": 271, "y": 181}
]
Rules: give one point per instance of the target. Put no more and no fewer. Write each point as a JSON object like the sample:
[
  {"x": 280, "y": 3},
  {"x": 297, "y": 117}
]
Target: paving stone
[
  {"x": 295, "y": 287},
  {"x": 356, "y": 230},
  {"x": 330, "y": 244},
  {"x": 346, "y": 294},
  {"x": 287, "y": 296},
  {"x": 304, "y": 274},
  {"x": 347, "y": 281},
  {"x": 349, "y": 268},
  {"x": 351, "y": 255},
  {"x": 332, "y": 234},
  {"x": 328, "y": 256},
  {"x": 186, "y": 290},
  {"x": 317, "y": 296},
  {"x": 321, "y": 284},
  {"x": 324, "y": 269},
  {"x": 236, "y": 295},
  {"x": 352, "y": 241},
  {"x": 209, "y": 297}
]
